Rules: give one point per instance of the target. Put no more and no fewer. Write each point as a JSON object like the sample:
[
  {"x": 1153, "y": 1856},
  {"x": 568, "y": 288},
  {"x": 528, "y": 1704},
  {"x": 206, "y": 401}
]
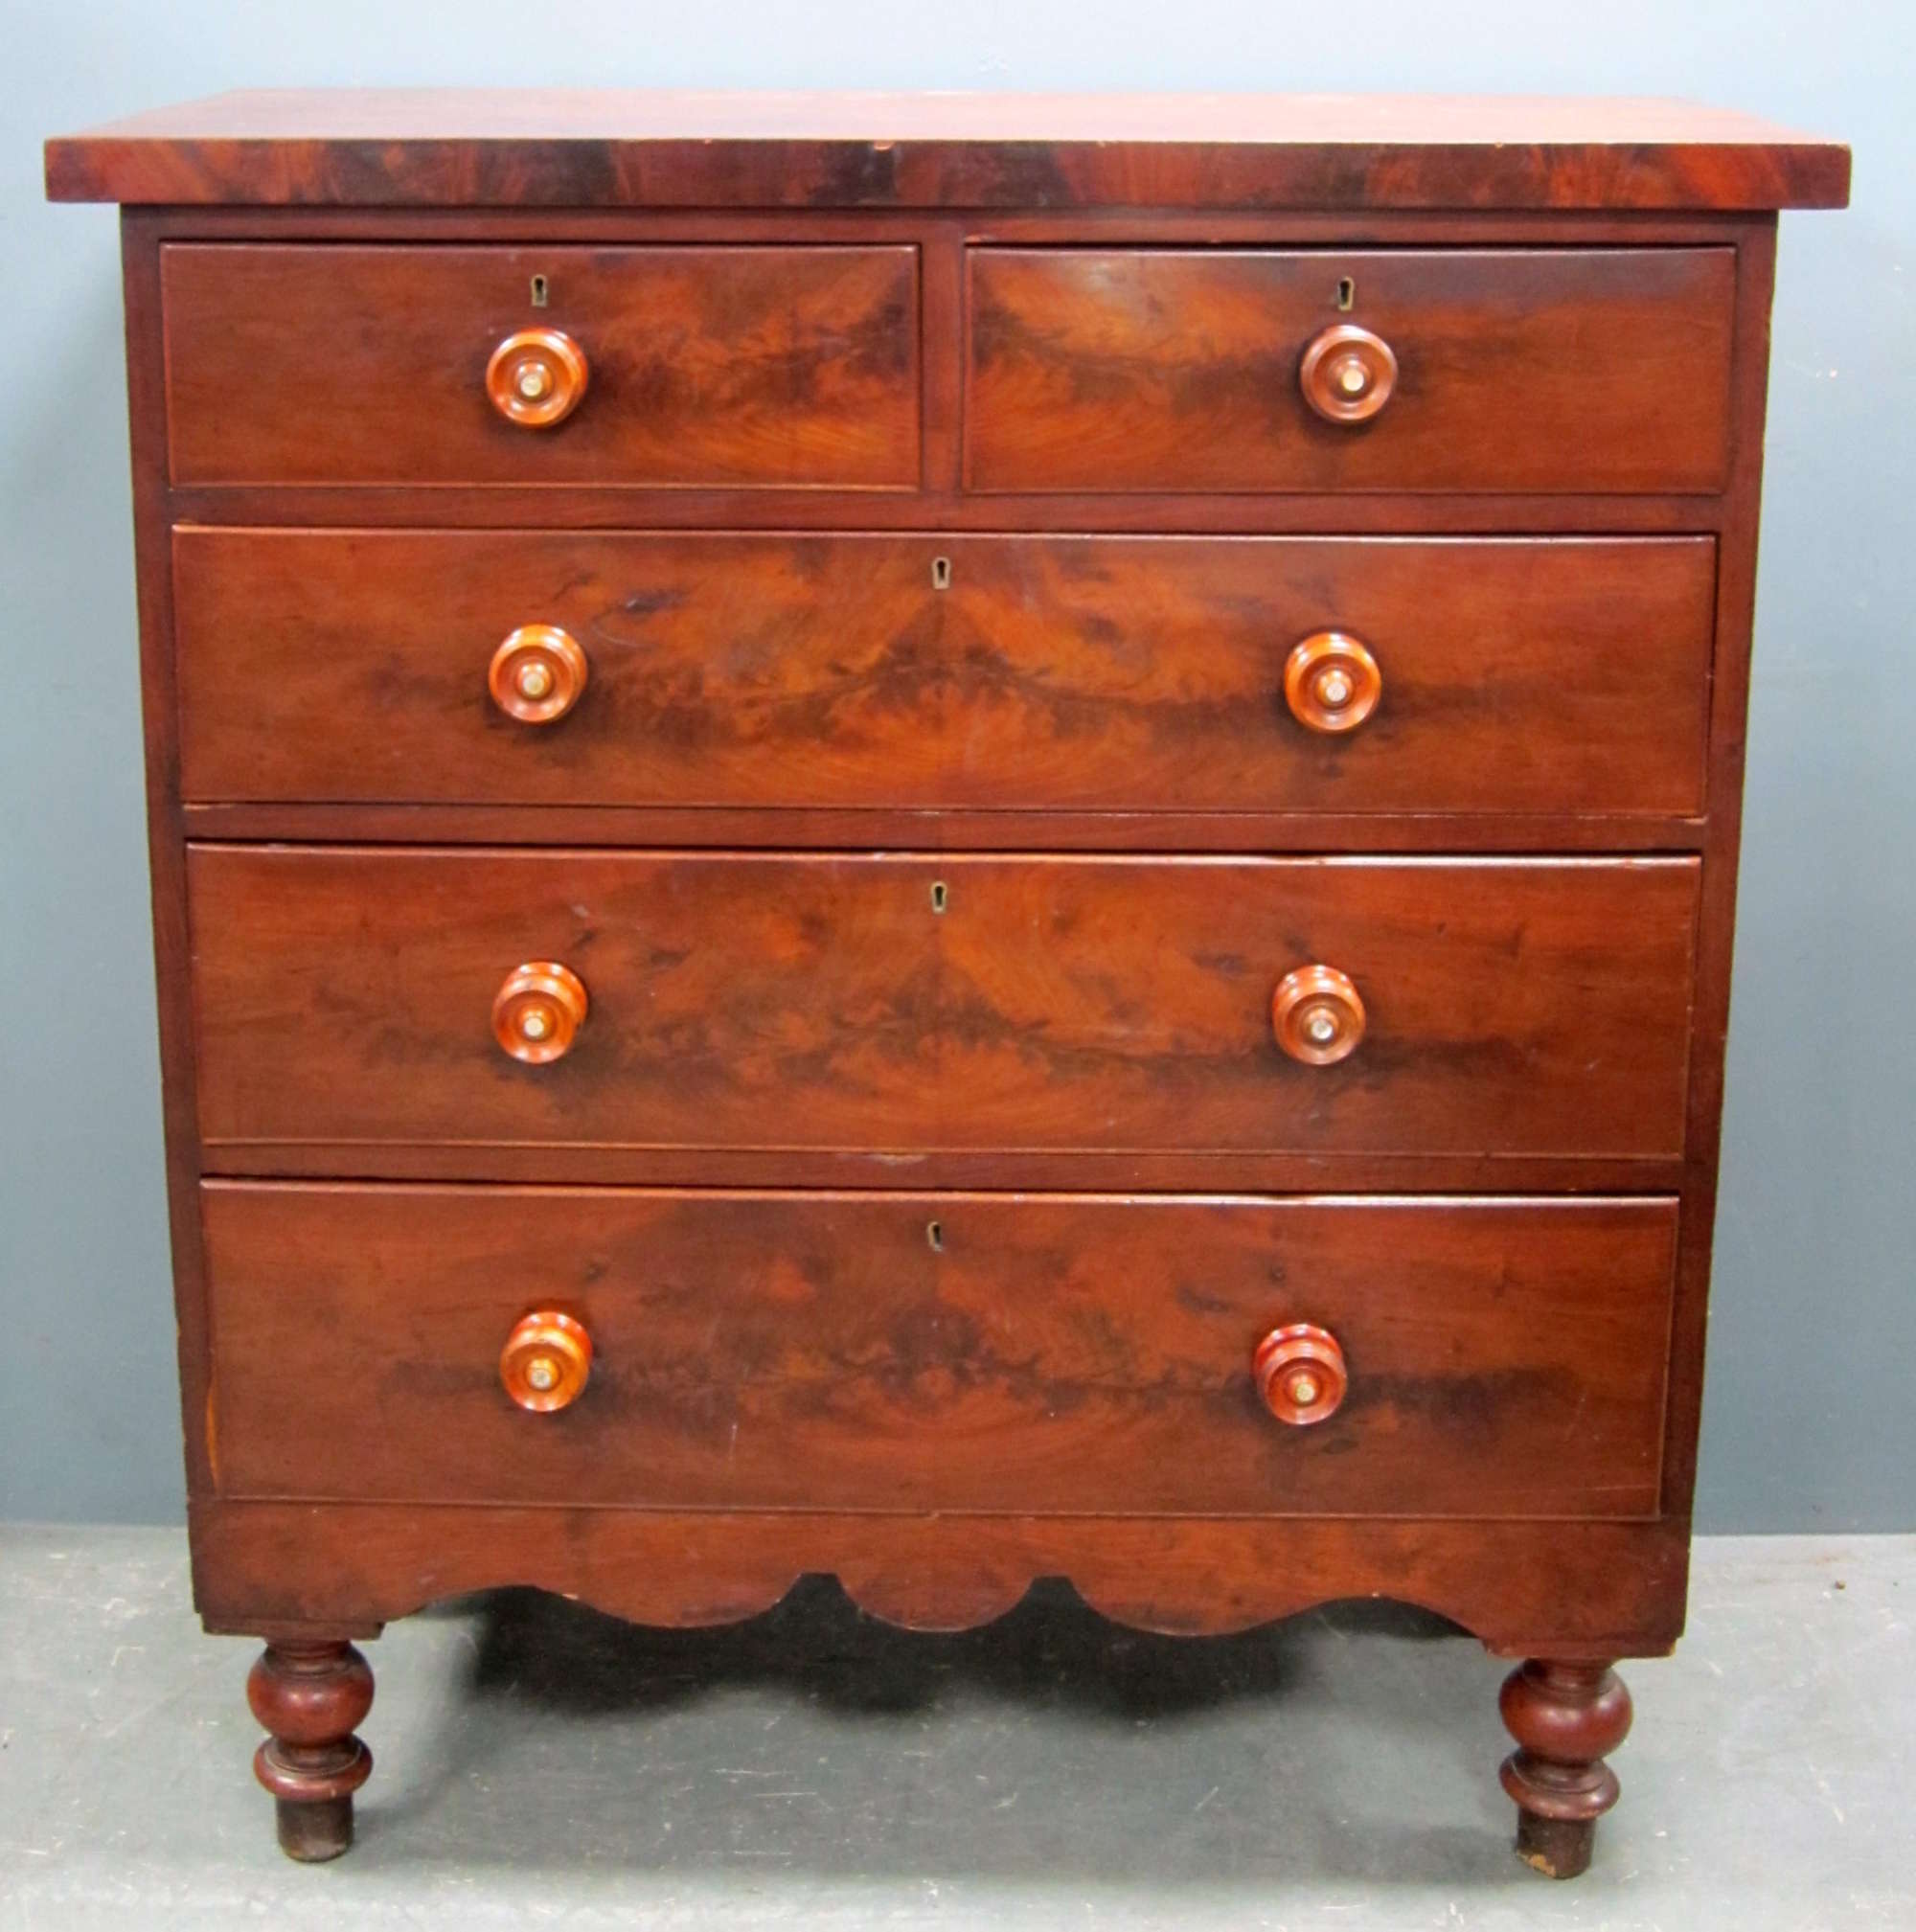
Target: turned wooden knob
[
  {"x": 536, "y": 378},
  {"x": 539, "y": 1009},
  {"x": 537, "y": 674},
  {"x": 1300, "y": 1374},
  {"x": 1330, "y": 682},
  {"x": 546, "y": 1361},
  {"x": 1347, "y": 374},
  {"x": 1318, "y": 1016}
]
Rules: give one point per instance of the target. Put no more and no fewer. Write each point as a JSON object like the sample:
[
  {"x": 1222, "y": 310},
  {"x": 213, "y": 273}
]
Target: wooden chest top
[{"x": 607, "y": 148}]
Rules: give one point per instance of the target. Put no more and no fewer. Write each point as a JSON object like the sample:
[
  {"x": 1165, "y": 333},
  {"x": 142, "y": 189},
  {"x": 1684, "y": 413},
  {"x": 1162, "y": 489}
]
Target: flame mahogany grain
[
  {"x": 812, "y": 1001},
  {"x": 763, "y": 672},
  {"x": 1179, "y": 369},
  {"x": 709, "y": 365},
  {"x": 559, "y": 149},
  {"x": 1053, "y": 1353}
]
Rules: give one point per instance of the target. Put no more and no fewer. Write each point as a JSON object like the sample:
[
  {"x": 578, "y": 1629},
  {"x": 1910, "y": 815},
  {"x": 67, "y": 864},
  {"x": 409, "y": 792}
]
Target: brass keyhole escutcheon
[{"x": 941, "y": 898}]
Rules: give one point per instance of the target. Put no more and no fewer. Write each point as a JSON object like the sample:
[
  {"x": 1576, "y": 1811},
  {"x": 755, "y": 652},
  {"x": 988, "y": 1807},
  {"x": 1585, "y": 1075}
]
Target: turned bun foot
[
  {"x": 1564, "y": 1718},
  {"x": 307, "y": 1698}
]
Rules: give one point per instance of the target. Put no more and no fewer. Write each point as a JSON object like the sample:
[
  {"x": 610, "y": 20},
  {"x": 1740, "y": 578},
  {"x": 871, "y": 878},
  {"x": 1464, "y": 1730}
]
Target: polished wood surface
[
  {"x": 933, "y": 494},
  {"x": 1178, "y": 368},
  {"x": 807, "y": 1351},
  {"x": 814, "y": 1001},
  {"x": 314, "y": 365},
  {"x": 553, "y": 147},
  {"x": 830, "y": 671}
]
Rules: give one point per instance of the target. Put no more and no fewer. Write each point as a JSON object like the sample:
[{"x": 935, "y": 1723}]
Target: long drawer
[
  {"x": 1009, "y": 673},
  {"x": 1486, "y": 1359},
  {"x": 875, "y": 1001},
  {"x": 718, "y": 366},
  {"x": 1162, "y": 369}
]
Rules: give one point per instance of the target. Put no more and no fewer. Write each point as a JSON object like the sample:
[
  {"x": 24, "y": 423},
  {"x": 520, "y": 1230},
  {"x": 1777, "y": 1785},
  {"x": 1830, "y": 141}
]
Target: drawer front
[
  {"x": 1565, "y": 370},
  {"x": 1501, "y": 1358},
  {"x": 819, "y": 1000},
  {"x": 1133, "y": 673},
  {"x": 749, "y": 366}
]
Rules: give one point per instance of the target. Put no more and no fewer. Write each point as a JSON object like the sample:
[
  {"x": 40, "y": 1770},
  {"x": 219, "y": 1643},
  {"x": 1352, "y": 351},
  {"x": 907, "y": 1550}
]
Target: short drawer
[
  {"x": 746, "y": 365},
  {"x": 874, "y": 1001},
  {"x": 1003, "y": 673},
  {"x": 1163, "y": 370},
  {"x": 903, "y": 1353}
]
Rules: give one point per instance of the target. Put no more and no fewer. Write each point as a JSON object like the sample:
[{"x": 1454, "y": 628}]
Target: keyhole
[
  {"x": 939, "y": 896},
  {"x": 1347, "y": 294},
  {"x": 934, "y": 1236},
  {"x": 539, "y": 291},
  {"x": 940, "y": 572}
]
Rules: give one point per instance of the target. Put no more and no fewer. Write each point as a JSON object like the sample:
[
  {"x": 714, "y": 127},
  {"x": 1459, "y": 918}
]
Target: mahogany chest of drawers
[{"x": 944, "y": 839}]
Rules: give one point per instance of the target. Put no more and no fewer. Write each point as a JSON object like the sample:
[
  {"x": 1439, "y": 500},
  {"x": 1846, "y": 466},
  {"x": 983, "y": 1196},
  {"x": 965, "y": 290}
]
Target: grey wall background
[{"x": 1809, "y": 1421}]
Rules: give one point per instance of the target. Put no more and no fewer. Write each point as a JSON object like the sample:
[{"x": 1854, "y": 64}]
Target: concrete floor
[{"x": 537, "y": 1763}]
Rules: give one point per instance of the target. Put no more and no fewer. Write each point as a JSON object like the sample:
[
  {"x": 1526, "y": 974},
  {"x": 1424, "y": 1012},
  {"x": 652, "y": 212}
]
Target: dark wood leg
[
  {"x": 1564, "y": 1718},
  {"x": 309, "y": 1697}
]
